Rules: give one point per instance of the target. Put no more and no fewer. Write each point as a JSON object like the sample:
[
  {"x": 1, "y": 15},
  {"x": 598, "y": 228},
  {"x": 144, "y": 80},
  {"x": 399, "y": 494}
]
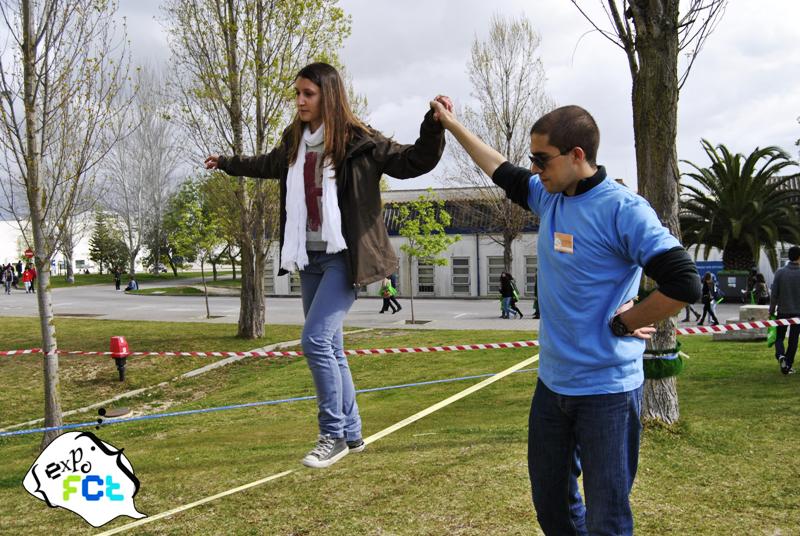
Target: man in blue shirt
[{"x": 595, "y": 237}]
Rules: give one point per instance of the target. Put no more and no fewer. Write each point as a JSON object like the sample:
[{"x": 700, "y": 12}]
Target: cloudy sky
[{"x": 743, "y": 91}]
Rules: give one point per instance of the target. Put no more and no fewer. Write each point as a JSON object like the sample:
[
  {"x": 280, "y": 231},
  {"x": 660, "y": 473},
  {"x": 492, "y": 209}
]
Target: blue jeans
[
  {"x": 596, "y": 434},
  {"x": 506, "y": 306},
  {"x": 327, "y": 296}
]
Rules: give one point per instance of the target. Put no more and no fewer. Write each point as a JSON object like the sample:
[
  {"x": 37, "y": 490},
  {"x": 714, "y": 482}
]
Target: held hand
[
  {"x": 441, "y": 112},
  {"x": 445, "y": 100},
  {"x": 212, "y": 162}
]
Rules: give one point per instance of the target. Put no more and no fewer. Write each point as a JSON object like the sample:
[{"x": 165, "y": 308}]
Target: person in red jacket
[{"x": 27, "y": 278}]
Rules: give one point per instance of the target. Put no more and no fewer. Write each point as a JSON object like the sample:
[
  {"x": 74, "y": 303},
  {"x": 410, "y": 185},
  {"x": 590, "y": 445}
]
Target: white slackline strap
[
  {"x": 168, "y": 513},
  {"x": 448, "y": 401},
  {"x": 374, "y": 437}
]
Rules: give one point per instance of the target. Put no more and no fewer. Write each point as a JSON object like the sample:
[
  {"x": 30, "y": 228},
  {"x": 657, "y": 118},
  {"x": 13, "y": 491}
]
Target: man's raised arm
[{"x": 484, "y": 156}]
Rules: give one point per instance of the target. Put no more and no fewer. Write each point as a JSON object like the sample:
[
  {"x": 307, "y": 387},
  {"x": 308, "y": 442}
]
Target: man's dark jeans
[
  {"x": 794, "y": 334},
  {"x": 598, "y": 434}
]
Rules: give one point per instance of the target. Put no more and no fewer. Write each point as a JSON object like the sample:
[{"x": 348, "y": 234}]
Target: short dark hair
[
  {"x": 568, "y": 127},
  {"x": 794, "y": 253}
]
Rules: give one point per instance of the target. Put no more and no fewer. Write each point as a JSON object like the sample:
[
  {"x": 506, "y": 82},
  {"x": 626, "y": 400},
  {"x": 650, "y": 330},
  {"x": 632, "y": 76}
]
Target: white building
[
  {"x": 13, "y": 246},
  {"x": 474, "y": 262}
]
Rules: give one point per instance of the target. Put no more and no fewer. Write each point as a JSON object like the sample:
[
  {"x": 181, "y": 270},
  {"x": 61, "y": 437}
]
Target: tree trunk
[
  {"x": 251, "y": 311},
  {"x": 508, "y": 242},
  {"x": 411, "y": 285},
  {"x": 132, "y": 264},
  {"x": 660, "y": 401},
  {"x": 655, "y": 113},
  {"x": 737, "y": 257},
  {"x": 233, "y": 266},
  {"x": 52, "y": 402},
  {"x": 205, "y": 288},
  {"x": 157, "y": 253},
  {"x": 68, "y": 262}
]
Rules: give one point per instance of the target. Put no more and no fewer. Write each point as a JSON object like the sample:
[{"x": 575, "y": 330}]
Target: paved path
[{"x": 103, "y": 302}]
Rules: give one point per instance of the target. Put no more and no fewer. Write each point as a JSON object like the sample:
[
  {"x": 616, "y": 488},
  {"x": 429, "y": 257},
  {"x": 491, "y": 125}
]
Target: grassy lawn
[
  {"x": 89, "y": 379},
  {"x": 60, "y": 281},
  {"x": 168, "y": 291},
  {"x": 726, "y": 468}
]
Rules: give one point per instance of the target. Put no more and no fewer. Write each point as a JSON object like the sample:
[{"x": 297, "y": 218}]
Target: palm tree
[{"x": 740, "y": 205}]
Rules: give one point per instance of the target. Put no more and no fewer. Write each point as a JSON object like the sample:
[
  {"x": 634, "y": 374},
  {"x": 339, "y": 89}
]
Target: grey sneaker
[
  {"x": 356, "y": 446},
  {"x": 784, "y": 365},
  {"x": 328, "y": 451}
]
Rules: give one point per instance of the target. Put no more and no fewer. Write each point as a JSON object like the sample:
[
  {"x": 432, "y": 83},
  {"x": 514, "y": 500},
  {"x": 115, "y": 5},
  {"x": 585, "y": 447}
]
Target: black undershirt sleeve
[
  {"x": 676, "y": 275},
  {"x": 514, "y": 180}
]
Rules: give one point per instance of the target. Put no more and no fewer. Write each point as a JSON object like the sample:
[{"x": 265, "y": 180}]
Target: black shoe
[
  {"x": 699, "y": 323},
  {"x": 356, "y": 446},
  {"x": 685, "y": 320},
  {"x": 715, "y": 323}
]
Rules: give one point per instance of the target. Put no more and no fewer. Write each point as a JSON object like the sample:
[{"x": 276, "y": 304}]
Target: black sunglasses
[{"x": 541, "y": 160}]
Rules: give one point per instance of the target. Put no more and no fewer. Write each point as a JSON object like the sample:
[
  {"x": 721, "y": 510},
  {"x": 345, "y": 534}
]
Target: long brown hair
[{"x": 339, "y": 120}]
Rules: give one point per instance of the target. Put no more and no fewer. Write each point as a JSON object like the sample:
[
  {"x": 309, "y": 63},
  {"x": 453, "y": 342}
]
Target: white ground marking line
[
  {"x": 371, "y": 439},
  {"x": 462, "y": 314}
]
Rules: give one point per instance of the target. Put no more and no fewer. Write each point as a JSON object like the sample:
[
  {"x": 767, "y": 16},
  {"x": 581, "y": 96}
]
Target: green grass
[
  {"x": 60, "y": 281},
  {"x": 726, "y": 468},
  {"x": 169, "y": 291},
  {"x": 90, "y": 379}
]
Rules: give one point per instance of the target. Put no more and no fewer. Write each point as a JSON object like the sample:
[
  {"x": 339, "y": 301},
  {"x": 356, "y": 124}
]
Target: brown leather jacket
[{"x": 370, "y": 255}]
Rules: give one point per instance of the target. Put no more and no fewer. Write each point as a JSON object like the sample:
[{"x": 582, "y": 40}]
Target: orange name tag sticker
[{"x": 562, "y": 242}]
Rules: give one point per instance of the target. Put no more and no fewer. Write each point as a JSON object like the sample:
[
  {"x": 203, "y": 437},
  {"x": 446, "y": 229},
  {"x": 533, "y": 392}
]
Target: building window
[
  {"x": 531, "y": 266},
  {"x": 496, "y": 267},
  {"x": 269, "y": 277},
  {"x": 424, "y": 276},
  {"x": 461, "y": 277},
  {"x": 294, "y": 283},
  {"x": 80, "y": 264}
]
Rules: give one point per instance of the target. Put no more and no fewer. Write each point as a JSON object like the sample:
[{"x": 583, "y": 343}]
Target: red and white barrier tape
[
  {"x": 739, "y": 326},
  {"x": 451, "y": 348}
]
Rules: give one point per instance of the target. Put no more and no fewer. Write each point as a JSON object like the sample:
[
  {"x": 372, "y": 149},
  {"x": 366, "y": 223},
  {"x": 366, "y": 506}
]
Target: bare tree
[
  {"x": 234, "y": 63},
  {"x": 59, "y": 75},
  {"x": 141, "y": 167},
  {"x": 75, "y": 225},
  {"x": 653, "y": 33},
  {"x": 508, "y": 82}
]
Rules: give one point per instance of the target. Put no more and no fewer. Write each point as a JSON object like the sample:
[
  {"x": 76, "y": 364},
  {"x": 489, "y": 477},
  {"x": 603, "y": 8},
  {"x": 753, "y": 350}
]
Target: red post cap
[{"x": 119, "y": 347}]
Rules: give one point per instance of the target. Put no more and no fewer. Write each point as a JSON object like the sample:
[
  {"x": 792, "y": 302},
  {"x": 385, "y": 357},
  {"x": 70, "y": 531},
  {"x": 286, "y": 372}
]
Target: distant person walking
[
  {"x": 7, "y": 277},
  {"x": 387, "y": 292},
  {"x": 785, "y": 302},
  {"x": 27, "y": 277},
  {"x": 709, "y": 295},
  {"x": 761, "y": 290},
  {"x": 506, "y": 294},
  {"x": 117, "y": 278}
]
